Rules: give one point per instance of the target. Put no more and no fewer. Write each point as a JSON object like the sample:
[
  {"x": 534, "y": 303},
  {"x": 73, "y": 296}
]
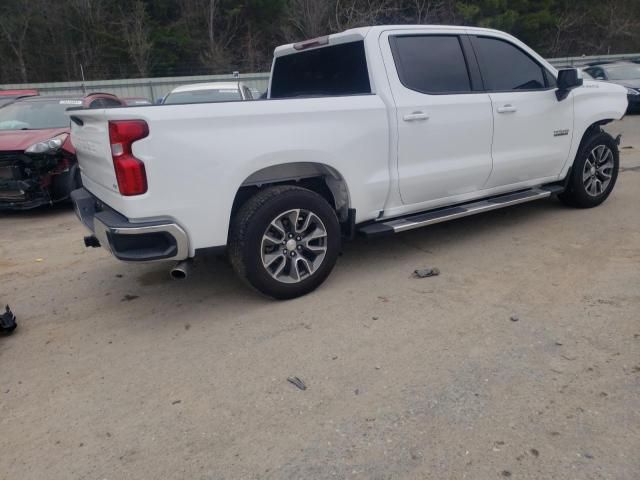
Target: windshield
[
  {"x": 204, "y": 96},
  {"x": 624, "y": 72},
  {"x": 35, "y": 115}
]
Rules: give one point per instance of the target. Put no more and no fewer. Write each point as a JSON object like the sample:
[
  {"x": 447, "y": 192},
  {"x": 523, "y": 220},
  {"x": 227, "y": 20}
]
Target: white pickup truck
[{"x": 371, "y": 131}]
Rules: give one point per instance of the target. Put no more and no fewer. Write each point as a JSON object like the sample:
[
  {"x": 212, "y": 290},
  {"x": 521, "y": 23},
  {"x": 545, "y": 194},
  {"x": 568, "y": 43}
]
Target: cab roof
[{"x": 355, "y": 34}]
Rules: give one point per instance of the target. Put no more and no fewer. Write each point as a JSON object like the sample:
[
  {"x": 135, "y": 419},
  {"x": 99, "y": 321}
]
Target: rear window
[
  {"x": 325, "y": 72},
  {"x": 204, "y": 96}
]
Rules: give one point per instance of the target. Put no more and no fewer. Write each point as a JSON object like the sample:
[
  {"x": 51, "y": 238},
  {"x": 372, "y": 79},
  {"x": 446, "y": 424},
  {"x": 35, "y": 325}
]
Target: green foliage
[{"x": 61, "y": 35}]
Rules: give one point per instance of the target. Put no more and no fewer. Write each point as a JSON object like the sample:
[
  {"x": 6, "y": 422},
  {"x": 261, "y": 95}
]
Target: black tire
[
  {"x": 576, "y": 194},
  {"x": 250, "y": 224}
]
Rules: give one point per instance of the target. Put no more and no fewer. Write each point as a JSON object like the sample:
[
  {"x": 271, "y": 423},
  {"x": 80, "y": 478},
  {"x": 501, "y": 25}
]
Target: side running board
[{"x": 432, "y": 217}]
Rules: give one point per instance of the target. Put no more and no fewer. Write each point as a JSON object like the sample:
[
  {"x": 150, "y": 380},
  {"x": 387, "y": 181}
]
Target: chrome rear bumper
[{"x": 128, "y": 241}]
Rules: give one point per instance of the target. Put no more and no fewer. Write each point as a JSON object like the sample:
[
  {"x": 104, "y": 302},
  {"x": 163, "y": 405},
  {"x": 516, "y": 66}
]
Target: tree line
[{"x": 64, "y": 40}]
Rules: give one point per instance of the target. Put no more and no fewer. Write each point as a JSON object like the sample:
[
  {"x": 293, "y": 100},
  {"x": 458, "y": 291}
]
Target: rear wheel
[
  {"x": 284, "y": 241},
  {"x": 594, "y": 173}
]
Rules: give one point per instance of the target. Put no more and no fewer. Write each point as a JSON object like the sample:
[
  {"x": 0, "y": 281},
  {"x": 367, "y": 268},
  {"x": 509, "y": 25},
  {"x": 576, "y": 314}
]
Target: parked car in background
[
  {"x": 626, "y": 74},
  {"x": 38, "y": 164},
  {"x": 373, "y": 131},
  {"x": 256, "y": 94},
  {"x": 209, "y": 92},
  {"x": 8, "y": 96},
  {"x": 136, "y": 101}
]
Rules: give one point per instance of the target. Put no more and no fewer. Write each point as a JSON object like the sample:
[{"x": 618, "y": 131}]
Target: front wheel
[
  {"x": 594, "y": 172},
  {"x": 284, "y": 241}
]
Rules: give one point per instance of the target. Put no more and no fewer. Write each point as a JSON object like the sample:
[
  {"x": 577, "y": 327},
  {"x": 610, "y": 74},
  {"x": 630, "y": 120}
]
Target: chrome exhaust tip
[{"x": 181, "y": 270}]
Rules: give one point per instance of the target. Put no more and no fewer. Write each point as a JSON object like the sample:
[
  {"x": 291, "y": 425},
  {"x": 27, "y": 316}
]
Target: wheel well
[
  {"x": 593, "y": 129},
  {"x": 319, "y": 178}
]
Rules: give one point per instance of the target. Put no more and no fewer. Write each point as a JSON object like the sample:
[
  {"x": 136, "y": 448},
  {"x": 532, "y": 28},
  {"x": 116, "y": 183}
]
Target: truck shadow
[
  {"x": 44, "y": 211},
  {"x": 145, "y": 295},
  {"x": 454, "y": 234},
  {"x": 213, "y": 280}
]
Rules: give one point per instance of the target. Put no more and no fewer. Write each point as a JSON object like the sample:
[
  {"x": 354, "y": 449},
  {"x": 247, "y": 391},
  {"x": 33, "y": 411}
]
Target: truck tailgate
[{"x": 90, "y": 137}]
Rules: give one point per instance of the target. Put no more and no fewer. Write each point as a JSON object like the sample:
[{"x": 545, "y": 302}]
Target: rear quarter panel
[{"x": 197, "y": 156}]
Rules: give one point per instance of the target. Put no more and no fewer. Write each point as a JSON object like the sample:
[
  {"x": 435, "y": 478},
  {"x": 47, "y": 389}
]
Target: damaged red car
[{"x": 38, "y": 164}]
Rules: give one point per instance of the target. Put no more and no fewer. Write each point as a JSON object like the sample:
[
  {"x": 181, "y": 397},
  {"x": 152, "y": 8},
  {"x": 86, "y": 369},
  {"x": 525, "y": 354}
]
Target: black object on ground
[
  {"x": 426, "y": 272},
  {"x": 297, "y": 382},
  {"x": 7, "y": 321}
]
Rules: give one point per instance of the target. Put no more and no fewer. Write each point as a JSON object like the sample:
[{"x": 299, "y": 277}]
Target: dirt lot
[{"x": 116, "y": 372}]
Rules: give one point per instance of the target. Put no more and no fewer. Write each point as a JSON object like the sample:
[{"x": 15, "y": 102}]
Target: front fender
[{"x": 595, "y": 103}]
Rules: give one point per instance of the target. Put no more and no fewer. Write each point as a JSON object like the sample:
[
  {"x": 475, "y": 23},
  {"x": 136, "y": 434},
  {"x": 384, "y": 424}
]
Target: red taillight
[{"x": 130, "y": 172}]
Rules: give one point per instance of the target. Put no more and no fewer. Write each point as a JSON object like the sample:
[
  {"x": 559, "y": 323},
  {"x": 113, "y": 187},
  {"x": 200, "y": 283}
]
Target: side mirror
[{"x": 568, "y": 79}]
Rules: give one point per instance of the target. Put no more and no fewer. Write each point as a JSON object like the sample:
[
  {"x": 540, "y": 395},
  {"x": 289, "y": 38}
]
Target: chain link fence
[
  {"x": 156, "y": 88},
  {"x": 149, "y": 88}
]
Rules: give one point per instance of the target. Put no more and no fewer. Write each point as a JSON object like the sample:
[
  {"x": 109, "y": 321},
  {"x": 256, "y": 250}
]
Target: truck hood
[
  {"x": 627, "y": 83},
  {"x": 20, "y": 140}
]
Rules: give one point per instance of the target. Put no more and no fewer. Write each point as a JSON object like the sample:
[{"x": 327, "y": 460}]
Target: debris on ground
[
  {"x": 128, "y": 298},
  {"x": 297, "y": 382},
  {"x": 426, "y": 272},
  {"x": 7, "y": 321},
  {"x": 514, "y": 318}
]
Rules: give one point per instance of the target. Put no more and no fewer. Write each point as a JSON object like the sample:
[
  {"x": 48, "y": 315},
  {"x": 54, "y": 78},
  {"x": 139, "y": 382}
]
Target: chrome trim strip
[{"x": 404, "y": 224}]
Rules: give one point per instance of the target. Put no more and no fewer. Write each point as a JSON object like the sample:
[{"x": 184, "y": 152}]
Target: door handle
[
  {"x": 416, "y": 117},
  {"x": 508, "y": 108}
]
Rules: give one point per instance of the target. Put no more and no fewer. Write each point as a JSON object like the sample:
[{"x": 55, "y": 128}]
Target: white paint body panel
[
  {"x": 432, "y": 164},
  {"x": 525, "y": 145},
  {"x": 197, "y": 156}
]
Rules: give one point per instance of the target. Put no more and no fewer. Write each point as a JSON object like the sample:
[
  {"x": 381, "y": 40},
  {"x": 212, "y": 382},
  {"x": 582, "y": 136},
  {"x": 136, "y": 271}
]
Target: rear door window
[
  {"x": 329, "y": 71},
  {"x": 111, "y": 102},
  {"x": 97, "y": 103},
  {"x": 506, "y": 68},
  {"x": 432, "y": 64}
]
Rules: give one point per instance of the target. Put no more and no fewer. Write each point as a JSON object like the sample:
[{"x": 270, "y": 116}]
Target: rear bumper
[{"x": 149, "y": 241}]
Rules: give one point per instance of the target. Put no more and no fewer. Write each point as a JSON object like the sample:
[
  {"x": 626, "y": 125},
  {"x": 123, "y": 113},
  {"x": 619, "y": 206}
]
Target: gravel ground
[{"x": 116, "y": 372}]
